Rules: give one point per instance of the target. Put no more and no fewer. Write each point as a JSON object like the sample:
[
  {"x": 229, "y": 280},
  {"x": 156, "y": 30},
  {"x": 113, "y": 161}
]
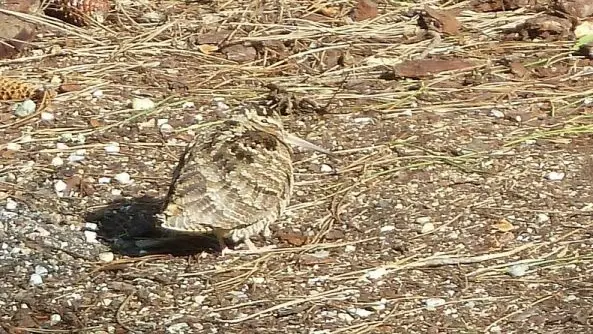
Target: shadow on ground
[{"x": 129, "y": 227}]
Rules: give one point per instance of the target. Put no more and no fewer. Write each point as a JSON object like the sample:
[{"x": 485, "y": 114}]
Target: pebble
[
  {"x": 387, "y": 228},
  {"x": 13, "y": 147},
  {"x": 166, "y": 128},
  {"x": 433, "y": 303},
  {"x": 349, "y": 248},
  {"x": 123, "y": 178},
  {"x": 181, "y": 327},
  {"x": 518, "y": 270},
  {"x": 361, "y": 312},
  {"x": 162, "y": 121},
  {"x": 345, "y": 317},
  {"x": 41, "y": 270},
  {"x": 47, "y": 116},
  {"x": 35, "y": 279},
  {"x": 98, "y": 93},
  {"x": 54, "y": 319},
  {"x": 11, "y": 205},
  {"x": 112, "y": 147},
  {"x": 90, "y": 226},
  {"x": 377, "y": 273},
  {"x": 106, "y": 256},
  {"x": 422, "y": 220},
  {"x": 555, "y": 176},
  {"x": 326, "y": 168},
  {"x": 116, "y": 192},
  {"x": 496, "y": 113},
  {"x": 104, "y": 180},
  {"x": 57, "y": 162},
  {"x": 142, "y": 104},
  {"x": 74, "y": 157},
  {"x": 542, "y": 218},
  {"x": 428, "y": 227},
  {"x": 62, "y": 146},
  {"x": 188, "y": 105},
  {"x": 90, "y": 237},
  {"x": 59, "y": 187},
  {"x": 25, "y": 108}
]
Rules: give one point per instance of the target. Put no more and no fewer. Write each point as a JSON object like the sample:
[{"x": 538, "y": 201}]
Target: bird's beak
[{"x": 296, "y": 141}]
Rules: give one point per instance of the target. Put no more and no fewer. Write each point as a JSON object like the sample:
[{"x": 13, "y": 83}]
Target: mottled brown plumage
[{"x": 233, "y": 180}]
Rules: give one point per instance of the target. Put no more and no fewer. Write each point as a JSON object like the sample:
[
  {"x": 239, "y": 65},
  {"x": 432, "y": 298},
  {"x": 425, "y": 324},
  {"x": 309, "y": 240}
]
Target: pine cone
[{"x": 79, "y": 12}]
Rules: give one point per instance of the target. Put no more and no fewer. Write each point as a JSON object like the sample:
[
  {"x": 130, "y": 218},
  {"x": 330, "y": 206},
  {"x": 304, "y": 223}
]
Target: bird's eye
[{"x": 265, "y": 121}]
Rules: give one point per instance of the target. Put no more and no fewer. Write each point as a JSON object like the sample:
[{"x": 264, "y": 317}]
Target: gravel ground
[{"x": 458, "y": 203}]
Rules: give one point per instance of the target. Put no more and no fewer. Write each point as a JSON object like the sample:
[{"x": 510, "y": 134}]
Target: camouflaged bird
[{"x": 234, "y": 178}]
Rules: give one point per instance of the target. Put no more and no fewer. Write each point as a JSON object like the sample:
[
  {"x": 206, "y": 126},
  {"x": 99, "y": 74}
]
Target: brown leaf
[
  {"x": 207, "y": 48},
  {"x": 65, "y": 88},
  {"x": 445, "y": 21},
  {"x": 364, "y": 9},
  {"x": 295, "y": 239},
  {"x": 23, "y": 6},
  {"x": 576, "y": 8},
  {"x": 503, "y": 226},
  {"x": 428, "y": 67},
  {"x": 95, "y": 123},
  {"x": 518, "y": 69},
  {"x": 15, "y": 35},
  {"x": 214, "y": 37},
  {"x": 329, "y": 11},
  {"x": 72, "y": 184},
  {"x": 240, "y": 53}
]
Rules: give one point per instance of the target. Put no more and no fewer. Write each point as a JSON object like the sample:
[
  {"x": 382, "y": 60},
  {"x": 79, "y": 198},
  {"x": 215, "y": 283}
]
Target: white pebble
[
  {"x": 188, "y": 105},
  {"x": 11, "y": 205},
  {"x": 161, "y": 121},
  {"x": 257, "y": 280},
  {"x": 57, "y": 161},
  {"x": 422, "y": 220},
  {"x": 41, "y": 270},
  {"x": 61, "y": 146},
  {"x": 59, "y": 187},
  {"x": 349, "y": 248},
  {"x": 555, "y": 176},
  {"x": 116, "y": 192},
  {"x": 123, "y": 178},
  {"x": 377, "y": 273},
  {"x": 433, "y": 303},
  {"x": 361, "y": 312},
  {"x": 13, "y": 147},
  {"x": 112, "y": 147},
  {"x": 90, "y": 226},
  {"x": 181, "y": 327},
  {"x": 518, "y": 270},
  {"x": 90, "y": 237},
  {"x": 387, "y": 228},
  {"x": 54, "y": 319},
  {"x": 106, "y": 256},
  {"x": 142, "y": 104},
  {"x": 326, "y": 168},
  {"x": 428, "y": 227},
  {"x": 25, "y": 108},
  {"x": 104, "y": 180},
  {"x": 496, "y": 113},
  {"x": 35, "y": 279},
  {"x": 166, "y": 128},
  {"x": 75, "y": 157},
  {"x": 47, "y": 116},
  {"x": 542, "y": 218},
  {"x": 98, "y": 93}
]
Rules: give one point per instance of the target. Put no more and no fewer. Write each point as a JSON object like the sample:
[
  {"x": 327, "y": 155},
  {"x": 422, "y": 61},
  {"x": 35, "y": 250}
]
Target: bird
[{"x": 234, "y": 178}]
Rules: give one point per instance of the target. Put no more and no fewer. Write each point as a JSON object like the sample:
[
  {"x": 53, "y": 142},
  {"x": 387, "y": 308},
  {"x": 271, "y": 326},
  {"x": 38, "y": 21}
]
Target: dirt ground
[{"x": 459, "y": 199}]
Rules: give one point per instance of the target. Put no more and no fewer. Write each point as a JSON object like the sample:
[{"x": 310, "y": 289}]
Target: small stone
[
  {"x": 13, "y": 147},
  {"x": 518, "y": 270},
  {"x": 345, "y": 317},
  {"x": 142, "y": 104},
  {"x": 35, "y": 279},
  {"x": 47, "y": 116},
  {"x": 106, "y": 256},
  {"x": 116, "y": 192},
  {"x": 54, "y": 319},
  {"x": 387, "y": 228},
  {"x": 41, "y": 270},
  {"x": 542, "y": 218},
  {"x": 74, "y": 157},
  {"x": 98, "y": 93},
  {"x": 25, "y": 108},
  {"x": 57, "y": 162},
  {"x": 166, "y": 128},
  {"x": 555, "y": 176},
  {"x": 433, "y": 303},
  {"x": 181, "y": 327},
  {"x": 349, "y": 248},
  {"x": 90, "y": 237},
  {"x": 11, "y": 205},
  {"x": 123, "y": 178},
  {"x": 59, "y": 187},
  {"x": 428, "y": 227},
  {"x": 496, "y": 113},
  {"x": 422, "y": 220},
  {"x": 62, "y": 146},
  {"x": 361, "y": 312},
  {"x": 112, "y": 147},
  {"x": 326, "y": 168},
  {"x": 104, "y": 180},
  {"x": 162, "y": 121},
  {"x": 377, "y": 273},
  {"x": 188, "y": 105},
  {"x": 91, "y": 226}
]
